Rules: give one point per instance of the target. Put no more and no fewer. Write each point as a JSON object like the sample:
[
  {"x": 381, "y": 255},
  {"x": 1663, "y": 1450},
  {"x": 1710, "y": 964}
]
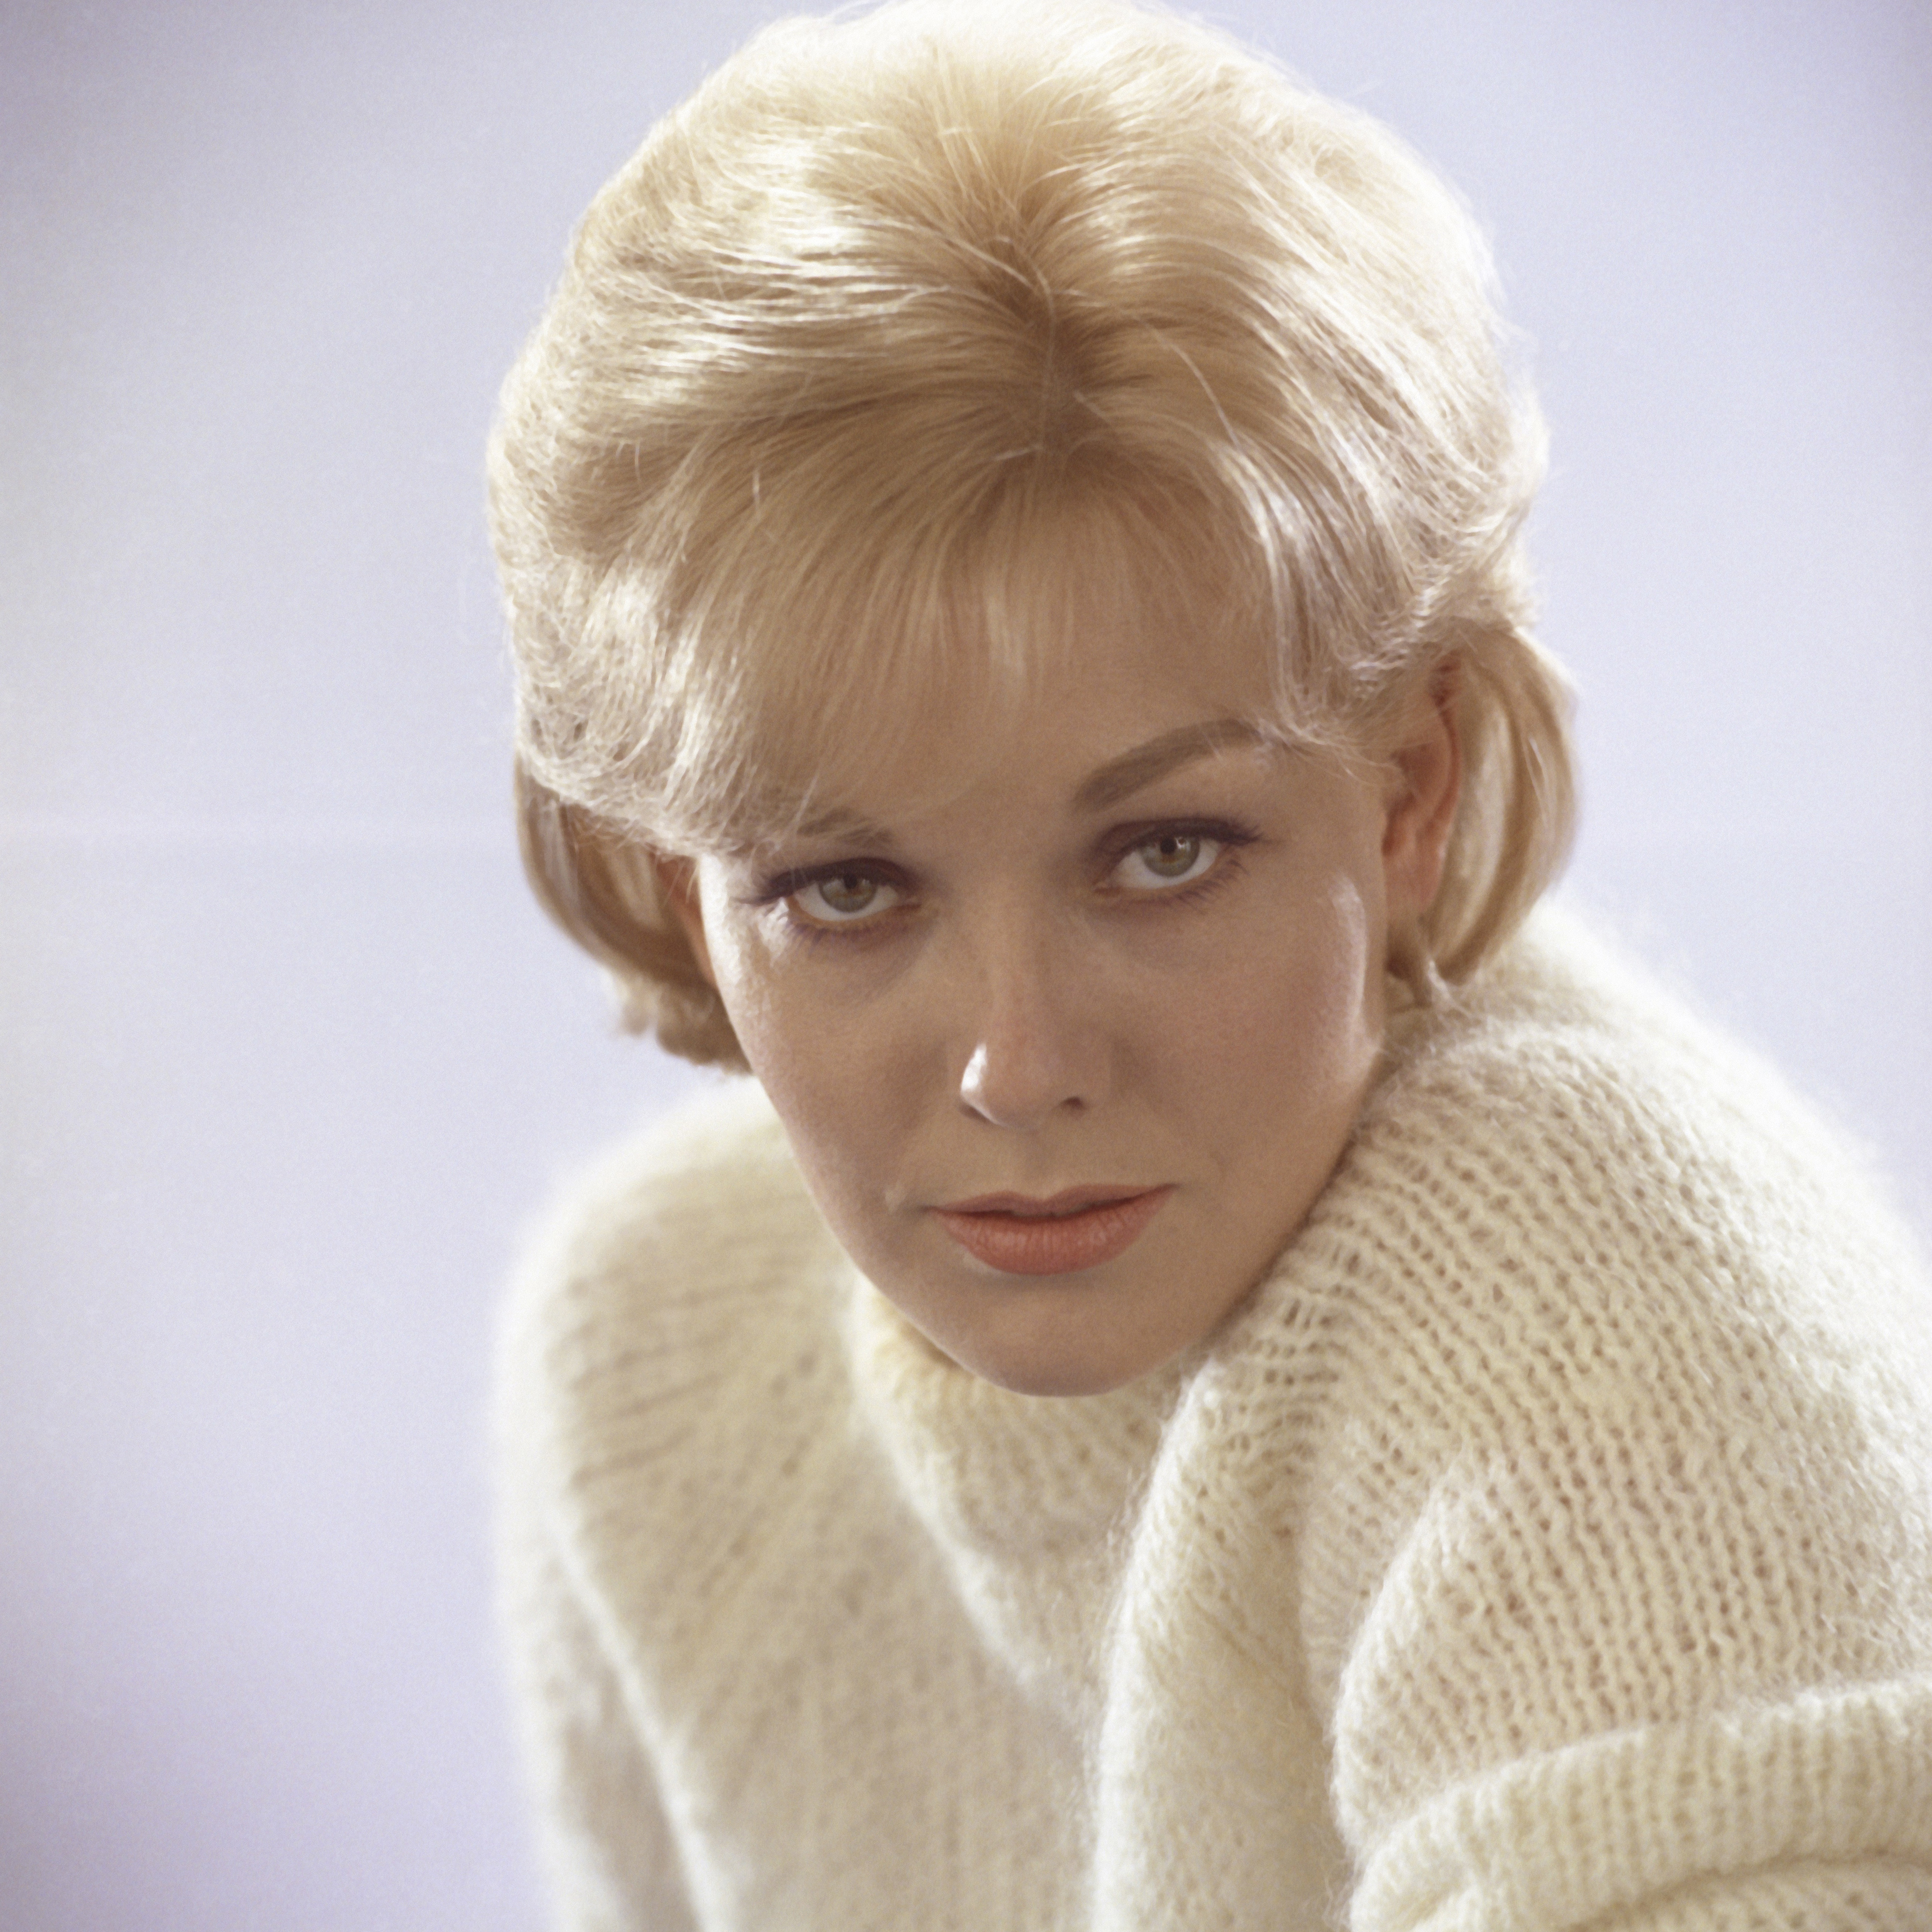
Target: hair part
[{"x": 891, "y": 296}]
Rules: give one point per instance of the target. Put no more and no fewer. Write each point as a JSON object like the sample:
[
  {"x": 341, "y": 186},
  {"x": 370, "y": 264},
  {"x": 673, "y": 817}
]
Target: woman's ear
[
  {"x": 677, "y": 886},
  {"x": 1427, "y": 768}
]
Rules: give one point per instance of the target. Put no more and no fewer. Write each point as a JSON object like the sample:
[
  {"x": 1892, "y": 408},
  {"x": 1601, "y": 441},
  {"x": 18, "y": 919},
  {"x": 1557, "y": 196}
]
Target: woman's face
[{"x": 1066, "y": 1057}]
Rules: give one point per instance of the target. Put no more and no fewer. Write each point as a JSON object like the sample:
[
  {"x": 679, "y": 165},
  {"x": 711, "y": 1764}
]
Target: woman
[{"x": 1217, "y": 1376}]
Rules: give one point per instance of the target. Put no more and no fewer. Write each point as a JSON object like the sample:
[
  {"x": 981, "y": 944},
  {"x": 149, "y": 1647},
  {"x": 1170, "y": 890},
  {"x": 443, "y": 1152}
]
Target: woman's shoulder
[
  {"x": 1568, "y": 1148},
  {"x": 682, "y": 1260},
  {"x": 697, "y": 1184},
  {"x": 1568, "y": 1068},
  {"x": 1627, "y": 1421},
  {"x": 671, "y": 1415}
]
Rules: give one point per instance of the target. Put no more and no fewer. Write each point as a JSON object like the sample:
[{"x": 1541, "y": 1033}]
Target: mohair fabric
[{"x": 1546, "y": 1543}]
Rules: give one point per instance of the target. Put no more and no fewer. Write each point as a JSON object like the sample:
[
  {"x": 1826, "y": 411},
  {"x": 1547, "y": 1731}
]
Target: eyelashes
[{"x": 1162, "y": 863}]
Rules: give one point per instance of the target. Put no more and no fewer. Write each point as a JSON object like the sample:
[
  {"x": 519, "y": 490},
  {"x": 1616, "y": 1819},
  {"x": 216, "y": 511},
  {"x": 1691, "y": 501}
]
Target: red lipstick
[{"x": 1079, "y": 1227}]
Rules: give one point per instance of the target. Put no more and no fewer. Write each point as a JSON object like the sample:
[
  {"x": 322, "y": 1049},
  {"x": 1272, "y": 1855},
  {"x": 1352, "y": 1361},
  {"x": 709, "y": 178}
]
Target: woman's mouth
[{"x": 1079, "y": 1227}]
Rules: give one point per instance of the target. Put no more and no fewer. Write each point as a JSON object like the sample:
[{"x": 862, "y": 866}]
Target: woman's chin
[
  {"x": 1056, "y": 1376},
  {"x": 1044, "y": 1343}
]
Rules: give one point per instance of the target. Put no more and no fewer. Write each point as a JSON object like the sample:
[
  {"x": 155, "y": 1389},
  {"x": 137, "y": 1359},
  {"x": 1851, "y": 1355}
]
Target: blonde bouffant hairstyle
[{"x": 901, "y": 312}]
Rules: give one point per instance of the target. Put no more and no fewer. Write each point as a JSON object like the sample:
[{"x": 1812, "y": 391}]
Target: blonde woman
[{"x": 1222, "y": 1371}]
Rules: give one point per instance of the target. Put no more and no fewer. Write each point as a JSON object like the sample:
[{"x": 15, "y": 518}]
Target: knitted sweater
[{"x": 1546, "y": 1543}]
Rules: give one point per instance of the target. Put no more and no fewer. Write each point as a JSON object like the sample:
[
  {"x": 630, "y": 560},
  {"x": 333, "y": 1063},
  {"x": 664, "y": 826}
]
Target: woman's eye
[
  {"x": 839, "y": 898},
  {"x": 1171, "y": 859}
]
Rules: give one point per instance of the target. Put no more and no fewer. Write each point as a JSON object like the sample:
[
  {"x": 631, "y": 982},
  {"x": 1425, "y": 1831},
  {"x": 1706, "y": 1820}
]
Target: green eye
[
  {"x": 1172, "y": 855},
  {"x": 1179, "y": 857},
  {"x": 842, "y": 896}
]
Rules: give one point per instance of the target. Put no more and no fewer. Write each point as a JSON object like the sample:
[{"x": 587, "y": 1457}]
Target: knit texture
[{"x": 1546, "y": 1543}]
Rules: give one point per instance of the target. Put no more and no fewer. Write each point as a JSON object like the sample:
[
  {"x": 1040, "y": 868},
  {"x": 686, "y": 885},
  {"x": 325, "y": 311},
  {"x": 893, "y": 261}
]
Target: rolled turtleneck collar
[
  {"x": 1007, "y": 1474},
  {"x": 1023, "y": 1495}
]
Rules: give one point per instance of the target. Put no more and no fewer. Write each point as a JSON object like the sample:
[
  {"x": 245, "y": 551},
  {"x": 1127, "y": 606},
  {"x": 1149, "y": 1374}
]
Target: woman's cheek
[{"x": 821, "y": 1061}]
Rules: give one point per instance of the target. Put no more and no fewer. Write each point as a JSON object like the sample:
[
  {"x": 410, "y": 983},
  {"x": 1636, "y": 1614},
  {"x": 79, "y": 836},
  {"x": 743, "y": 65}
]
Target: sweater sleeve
[
  {"x": 1617, "y": 1575},
  {"x": 1500, "y": 1760},
  {"x": 609, "y": 1855}
]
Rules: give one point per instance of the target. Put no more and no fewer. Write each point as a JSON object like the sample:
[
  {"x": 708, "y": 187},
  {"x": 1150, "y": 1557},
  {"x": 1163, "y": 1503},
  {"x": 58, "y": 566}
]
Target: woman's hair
[{"x": 905, "y": 319}]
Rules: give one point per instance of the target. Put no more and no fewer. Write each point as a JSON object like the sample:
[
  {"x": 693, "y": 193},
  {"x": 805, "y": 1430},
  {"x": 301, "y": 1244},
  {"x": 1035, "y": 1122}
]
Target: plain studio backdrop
[{"x": 290, "y": 1059}]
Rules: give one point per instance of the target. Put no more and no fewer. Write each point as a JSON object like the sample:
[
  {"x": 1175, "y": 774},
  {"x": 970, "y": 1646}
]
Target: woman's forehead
[
  {"x": 1062, "y": 640},
  {"x": 1082, "y": 745}
]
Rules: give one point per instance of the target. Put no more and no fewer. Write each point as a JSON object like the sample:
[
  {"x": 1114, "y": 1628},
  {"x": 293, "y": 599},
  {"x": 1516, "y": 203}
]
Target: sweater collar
[
  {"x": 1005, "y": 1474},
  {"x": 1026, "y": 1498}
]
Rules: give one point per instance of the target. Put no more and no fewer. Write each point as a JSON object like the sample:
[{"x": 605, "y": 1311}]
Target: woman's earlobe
[{"x": 677, "y": 888}]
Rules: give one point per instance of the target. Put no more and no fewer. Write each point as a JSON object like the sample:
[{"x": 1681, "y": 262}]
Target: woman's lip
[
  {"x": 1079, "y": 1227},
  {"x": 1068, "y": 1201}
]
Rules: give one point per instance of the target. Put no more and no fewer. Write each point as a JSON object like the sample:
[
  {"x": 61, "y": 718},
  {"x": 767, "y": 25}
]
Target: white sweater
[{"x": 1547, "y": 1543}]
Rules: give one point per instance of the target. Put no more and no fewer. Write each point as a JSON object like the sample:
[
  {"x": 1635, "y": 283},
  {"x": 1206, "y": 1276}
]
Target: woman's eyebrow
[
  {"x": 850, "y": 828},
  {"x": 1120, "y": 777}
]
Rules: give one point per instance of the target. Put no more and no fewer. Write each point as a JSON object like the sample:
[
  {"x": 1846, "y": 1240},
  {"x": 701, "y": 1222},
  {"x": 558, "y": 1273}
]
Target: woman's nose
[{"x": 1034, "y": 1049}]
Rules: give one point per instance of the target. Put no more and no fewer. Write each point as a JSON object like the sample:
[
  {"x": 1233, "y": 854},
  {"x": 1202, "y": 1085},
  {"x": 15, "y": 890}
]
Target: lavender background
[{"x": 287, "y": 1057}]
